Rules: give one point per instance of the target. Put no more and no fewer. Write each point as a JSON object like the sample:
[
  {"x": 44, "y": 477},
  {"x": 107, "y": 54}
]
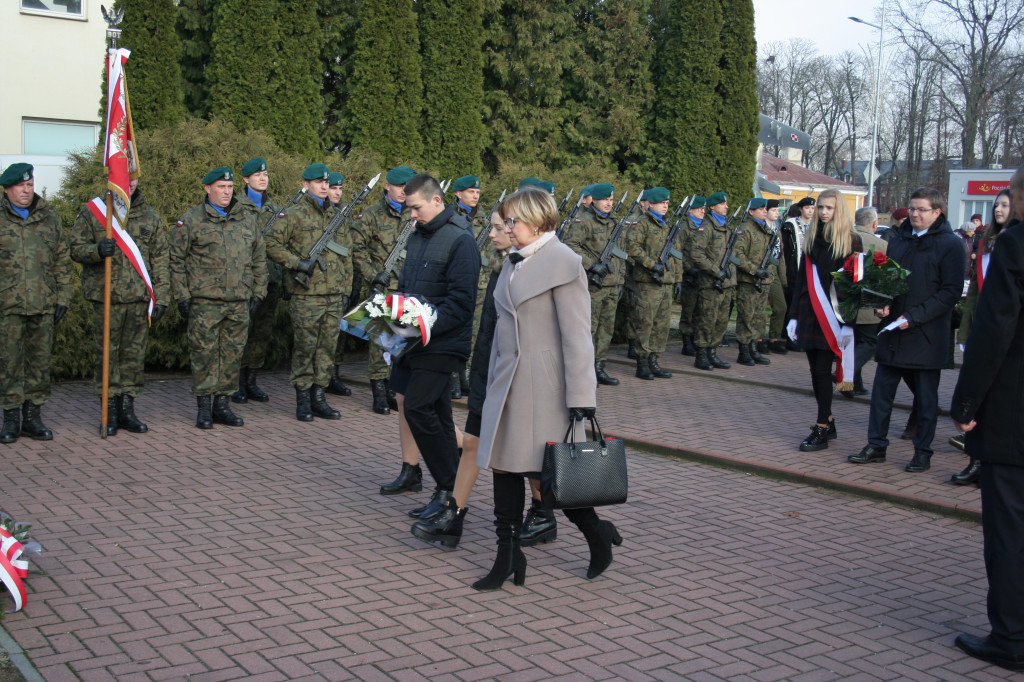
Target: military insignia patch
[{"x": 25, "y": 177}]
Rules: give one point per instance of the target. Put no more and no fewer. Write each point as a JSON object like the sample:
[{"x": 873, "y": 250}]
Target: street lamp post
[{"x": 878, "y": 83}]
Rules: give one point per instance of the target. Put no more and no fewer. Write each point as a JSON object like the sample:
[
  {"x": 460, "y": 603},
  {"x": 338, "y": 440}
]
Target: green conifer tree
[
  {"x": 386, "y": 88},
  {"x": 338, "y": 19},
  {"x": 294, "y": 106},
  {"x": 736, "y": 103},
  {"x": 454, "y": 84},
  {"x": 195, "y": 29}
]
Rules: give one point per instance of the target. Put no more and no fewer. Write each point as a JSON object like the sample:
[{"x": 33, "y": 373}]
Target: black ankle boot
[
  {"x": 318, "y": 404},
  {"x": 12, "y": 426},
  {"x": 445, "y": 528},
  {"x": 688, "y": 348},
  {"x": 204, "y": 417},
  {"x": 303, "y": 408},
  {"x": 656, "y": 370},
  {"x": 510, "y": 560},
  {"x": 631, "y": 352},
  {"x": 126, "y": 418},
  {"x": 600, "y": 535},
  {"x": 717, "y": 362},
  {"x": 539, "y": 527},
  {"x": 252, "y": 391},
  {"x": 643, "y": 370},
  {"x": 222, "y": 413},
  {"x": 969, "y": 475},
  {"x": 337, "y": 386},
  {"x": 410, "y": 480},
  {"x": 756, "y": 355},
  {"x": 380, "y": 396},
  {"x": 112, "y": 405},
  {"x": 240, "y": 395},
  {"x": 744, "y": 357},
  {"x": 602, "y": 376},
  {"x": 32, "y": 423},
  {"x": 701, "y": 361},
  {"x": 818, "y": 440},
  {"x": 436, "y": 505}
]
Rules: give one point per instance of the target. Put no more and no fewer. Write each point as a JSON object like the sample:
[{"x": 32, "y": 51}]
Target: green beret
[
  {"x": 528, "y": 182},
  {"x": 400, "y": 175},
  {"x": 656, "y": 195},
  {"x": 16, "y": 173},
  {"x": 221, "y": 173},
  {"x": 254, "y": 166},
  {"x": 756, "y": 203},
  {"x": 316, "y": 171},
  {"x": 335, "y": 179},
  {"x": 602, "y": 191},
  {"x": 466, "y": 182},
  {"x": 546, "y": 186},
  {"x": 717, "y": 198},
  {"x": 585, "y": 192},
  {"x": 698, "y": 201}
]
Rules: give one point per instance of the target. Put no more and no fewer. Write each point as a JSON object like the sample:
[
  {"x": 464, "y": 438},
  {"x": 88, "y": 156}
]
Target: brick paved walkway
[{"x": 265, "y": 553}]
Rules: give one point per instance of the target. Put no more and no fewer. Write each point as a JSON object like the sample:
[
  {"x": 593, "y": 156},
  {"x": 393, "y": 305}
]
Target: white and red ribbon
[
  {"x": 831, "y": 326},
  {"x": 397, "y": 303},
  {"x": 128, "y": 247},
  {"x": 983, "y": 268},
  {"x": 13, "y": 569},
  {"x": 858, "y": 267}
]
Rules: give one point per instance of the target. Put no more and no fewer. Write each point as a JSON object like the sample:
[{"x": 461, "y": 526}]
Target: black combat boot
[
  {"x": 126, "y": 418},
  {"x": 464, "y": 380},
  {"x": 112, "y": 404},
  {"x": 643, "y": 370},
  {"x": 702, "y": 361},
  {"x": 510, "y": 560},
  {"x": 32, "y": 423},
  {"x": 600, "y": 535},
  {"x": 410, "y": 480},
  {"x": 222, "y": 413},
  {"x": 778, "y": 347},
  {"x": 631, "y": 353},
  {"x": 762, "y": 347},
  {"x": 688, "y": 348},
  {"x": 319, "y": 406},
  {"x": 754, "y": 353},
  {"x": 602, "y": 376},
  {"x": 656, "y": 370},
  {"x": 337, "y": 386},
  {"x": 445, "y": 528},
  {"x": 744, "y": 356},
  {"x": 252, "y": 391},
  {"x": 204, "y": 417},
  {"x": 454, "y": 386},
  {"x": 717, "y": 362},
  {"x": 12, "y": 426},
  {"x": 303, "y": 409},
  {"x": 539, "y": 527},
  {"x": 380, "y": 396},
  {"x": 969, "y": 475},
  {"x": 240, "y": 396}
]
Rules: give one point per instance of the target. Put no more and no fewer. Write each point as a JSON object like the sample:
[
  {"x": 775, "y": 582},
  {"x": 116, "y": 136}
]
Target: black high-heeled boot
[
  {"x": 600, "y": 535},
  {"x": 510, "y": 560}
]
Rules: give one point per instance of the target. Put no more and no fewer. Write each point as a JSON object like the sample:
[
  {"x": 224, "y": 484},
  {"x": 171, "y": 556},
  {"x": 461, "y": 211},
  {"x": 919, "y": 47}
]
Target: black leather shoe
[
  {"x": 415, "y": 513},
  {"x": 445, "y": 528},
  {"x": 957, "y": 442},
  {"x": 643, "y": 370},
  {"x": 435, "y": 506},
  {"x": 969, "y": 475},
  {"x": 539, "y": 527},
  {"x": 817, "y": 440},
  {"x": 318, "y": 404},
  {"x": 867, "y": 455},
  {"x": 602, "y": 376},
  {"x": 920, "y": 462},
  {"x": 701, "y": 361},
  {"x": 12, "y": 426},
  {"x": 222, "y": 413},
  {"x": 410, "y": 480},
  {"x": 656, "y": 370},
  {"x": 983, "y": 649},
  {"x": 126, "y": 418}
]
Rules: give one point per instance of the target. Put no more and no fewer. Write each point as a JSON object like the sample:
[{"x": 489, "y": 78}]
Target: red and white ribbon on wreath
[
  {"x": 858, "y": 267},
  {"x": 397, "y": 303},
  {"x": 831, "y": 327},
  {"x": 128, "y": 247},
  {"x": 13, "y": 569}
]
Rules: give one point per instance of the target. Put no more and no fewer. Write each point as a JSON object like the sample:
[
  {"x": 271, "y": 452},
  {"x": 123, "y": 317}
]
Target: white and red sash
[
  {"x": 13, "y": 569},
  {"x": 831, "y": 326},
  {"x": 983, "y": 267},
  {"x": 98, "y": 207}
]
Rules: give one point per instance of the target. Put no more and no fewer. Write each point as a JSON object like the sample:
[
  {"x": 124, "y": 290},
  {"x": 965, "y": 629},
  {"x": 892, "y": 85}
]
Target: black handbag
[{"x": 584, "y": 474}]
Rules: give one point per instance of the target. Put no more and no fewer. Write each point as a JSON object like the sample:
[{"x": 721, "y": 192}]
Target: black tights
[
  {"x": 821, "y": 381},
  {"x": 510, "y": 500}
]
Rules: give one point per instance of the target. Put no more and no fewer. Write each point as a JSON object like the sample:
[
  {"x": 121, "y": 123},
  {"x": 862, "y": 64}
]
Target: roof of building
[{"x": 783, "y": 172}]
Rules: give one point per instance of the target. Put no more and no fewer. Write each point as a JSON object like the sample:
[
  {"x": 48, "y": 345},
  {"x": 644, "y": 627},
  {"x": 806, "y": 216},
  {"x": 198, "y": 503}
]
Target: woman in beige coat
[{"x": 541, "y": 368}]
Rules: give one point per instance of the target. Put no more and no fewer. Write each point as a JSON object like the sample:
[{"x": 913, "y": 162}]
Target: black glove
[
  {"x": 723, "y": 274},
  {"x": 58, "y": 312},
  {"x": 678, "y": 290},
  {"x": 658, "y": 269},
  {"x": 599, "y": 269},
  {"x": 184, "y": 307},
  {"x": 344, "y": 303},
  {"x": 382, "y": 281},
  {"x": 762, "y": 273},
  {"x": 580, "y": 413},
  {"x": 158, "y": 312},
  {"x": 106, "y": 247},
  {"x": 306, "y": 266},
  {"x": 254, "y": 303}
]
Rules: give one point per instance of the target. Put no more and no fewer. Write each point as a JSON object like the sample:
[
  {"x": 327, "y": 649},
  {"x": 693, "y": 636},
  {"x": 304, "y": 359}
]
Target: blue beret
[
  {"x": 221, "y": 173},
  {"x": 16, "y": 173},
  {"x": 254, "y": 166},
  {"x": 400, "y": 175}
]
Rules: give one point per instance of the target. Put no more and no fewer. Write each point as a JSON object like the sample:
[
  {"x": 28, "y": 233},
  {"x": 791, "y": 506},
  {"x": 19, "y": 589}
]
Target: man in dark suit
[{"x": 986, "y": 404}]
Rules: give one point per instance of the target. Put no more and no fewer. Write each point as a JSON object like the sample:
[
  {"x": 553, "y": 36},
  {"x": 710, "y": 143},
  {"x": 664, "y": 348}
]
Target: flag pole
[{"x": 113, "y": 34}]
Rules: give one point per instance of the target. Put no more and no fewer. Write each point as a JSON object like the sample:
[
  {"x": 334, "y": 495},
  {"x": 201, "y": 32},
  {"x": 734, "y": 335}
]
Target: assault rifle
[
  {"x": 565, "y": 201},
  {"x": 398, "y": 250},
  {"x": 326, "y": 241},
  {"x": 611, "y": 248},
  {"x": 669, "y": 250},
  {"x": 727, "y": 257},
  {"x": 481, "y": 238},
  {"x": 560, "y": 232},
  {"x": 767, "y": 259},
  {"x": 294, "y": 199}
]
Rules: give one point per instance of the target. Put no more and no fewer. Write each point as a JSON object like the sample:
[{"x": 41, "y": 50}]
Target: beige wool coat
[{"x": 542, "y": 359}]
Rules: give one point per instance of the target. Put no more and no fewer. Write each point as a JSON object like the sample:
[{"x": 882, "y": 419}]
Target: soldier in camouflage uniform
[
  {"x": 317, "y": 310},
  {"x": 35, "y": 277},
  {"x": 588, "y": 235},
  {"x": 706, "y": 252},
  {"x": 777, "y": 293},
  {"x": 690, "y": 293},
  {"x": 753, "y": 242},
  {"x": 219, "y": 277},
  {"x": 336, "y": 182},
  {"x": 129, "y": 301},
  {"x": 645, "y": 240},
  {"x": 467, "y": 204},
  {"x": 374, "y": 233}
]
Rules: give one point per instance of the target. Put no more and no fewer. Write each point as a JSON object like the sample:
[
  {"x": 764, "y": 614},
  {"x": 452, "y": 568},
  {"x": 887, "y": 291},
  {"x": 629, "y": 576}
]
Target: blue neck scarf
[
  {"x": 254, "y": 196},
  {"x": 23, "y": 212},
  {"x": 218, "y": 209},
  {"x": 465, "y": 208},
  {"x": 657, "y": 216},
  {"x": 394, "y": 204},
  {"x": 759, "y": 221},
  {"x": 318, "y": 200},
  {"x": 697, "y": 221},
  {"x": 720, "y": 219},
  {"x": 600, "y": 212}
]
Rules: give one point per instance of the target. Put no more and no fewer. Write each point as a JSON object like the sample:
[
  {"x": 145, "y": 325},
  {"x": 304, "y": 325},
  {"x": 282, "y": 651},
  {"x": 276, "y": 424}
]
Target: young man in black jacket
[{"x": 441, "y": 267}]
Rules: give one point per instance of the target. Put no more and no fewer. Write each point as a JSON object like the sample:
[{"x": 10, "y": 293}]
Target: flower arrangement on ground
[{"x": 868, "y": 280}]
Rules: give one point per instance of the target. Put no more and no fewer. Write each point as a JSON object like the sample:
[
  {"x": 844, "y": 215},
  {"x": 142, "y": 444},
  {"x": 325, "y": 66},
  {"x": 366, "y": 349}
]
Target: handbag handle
[{"x": 570, "y": 433}]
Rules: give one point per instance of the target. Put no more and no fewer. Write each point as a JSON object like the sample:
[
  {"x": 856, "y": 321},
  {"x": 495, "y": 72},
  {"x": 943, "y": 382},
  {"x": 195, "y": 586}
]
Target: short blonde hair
[{"x": 533, "y": 206}]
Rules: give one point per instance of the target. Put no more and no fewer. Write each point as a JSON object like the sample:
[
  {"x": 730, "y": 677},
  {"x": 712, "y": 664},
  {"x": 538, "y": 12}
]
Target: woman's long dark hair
[{"x": 993, "y": 229}]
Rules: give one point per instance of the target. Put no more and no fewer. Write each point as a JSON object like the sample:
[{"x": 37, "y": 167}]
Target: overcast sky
[{"x": 823, "y": 23}]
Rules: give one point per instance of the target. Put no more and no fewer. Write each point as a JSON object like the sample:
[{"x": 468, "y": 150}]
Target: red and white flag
[
  {"x": 119, "y": 154},
  {"x": 13, "y": 569},
  {"x": 98, "y": 208}
]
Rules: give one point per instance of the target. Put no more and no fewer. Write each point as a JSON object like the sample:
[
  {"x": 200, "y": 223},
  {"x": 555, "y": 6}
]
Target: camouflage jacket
[
  {"x": 263, "y": 215},
  {"x": 215, "y": 257},
  {"x": 750, "y": 248},
  {"x": 685, "y": 239},
  {"x": 706, "y": 250},
  {"x": 587, "y": 235},
  {"x": 644, "y": 242},
  {"x": 35, "y": 267},
  {"x": 296, "y": 232},
  {"x": 374, "y": 233},
  {"x": 149, "y": 232},
  {"x": 487, "y": 252}
]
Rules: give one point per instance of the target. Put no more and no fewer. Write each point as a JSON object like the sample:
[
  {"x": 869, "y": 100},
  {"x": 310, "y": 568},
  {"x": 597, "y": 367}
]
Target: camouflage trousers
[
  {"x": 216, "y": 338},
  {"x": 651, "y": 317},
  {"x": 129, "y": 329},
  {"x": 629, "y": 300},
  {"x": 688, "y": 314},
  {"x": 714, "y": 316},
  {"x": 777, "y": 300},
  {"x": 261, "y": 327},
  {"x": 25, "y": 359},
  {"x": 603, "y": 302},
  {"x": 751, "y": 311},
  {"x": 315, "y": 326}
]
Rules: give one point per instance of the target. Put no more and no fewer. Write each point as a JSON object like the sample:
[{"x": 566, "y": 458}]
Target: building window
[
  {"x": 58, "y": 138},
  {"x": 71, "y": 9}
]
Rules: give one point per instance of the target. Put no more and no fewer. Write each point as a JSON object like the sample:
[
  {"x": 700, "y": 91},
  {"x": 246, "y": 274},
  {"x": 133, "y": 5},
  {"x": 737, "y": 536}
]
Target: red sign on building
[{"x": 987, "y": 186}]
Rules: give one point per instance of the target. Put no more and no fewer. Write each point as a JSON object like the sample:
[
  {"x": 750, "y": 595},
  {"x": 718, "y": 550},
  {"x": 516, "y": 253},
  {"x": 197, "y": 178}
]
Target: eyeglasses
[
  {"x": 920, "y": 210},
  {"x": 510, "y": 223}
]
